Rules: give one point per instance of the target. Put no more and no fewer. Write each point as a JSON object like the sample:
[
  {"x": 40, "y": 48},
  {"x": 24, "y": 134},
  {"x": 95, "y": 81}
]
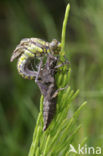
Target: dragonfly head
[{"x": 55, "y": 46}]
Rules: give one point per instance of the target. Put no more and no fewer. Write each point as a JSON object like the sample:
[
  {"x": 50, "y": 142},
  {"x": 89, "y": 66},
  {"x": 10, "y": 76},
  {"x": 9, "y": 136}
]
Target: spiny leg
[
  {"x": 58, "y": 90},
  {"x": 66, "y": 62}
]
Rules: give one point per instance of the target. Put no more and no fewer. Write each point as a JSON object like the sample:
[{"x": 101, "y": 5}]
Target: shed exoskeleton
[{"x": 45, "y": 80}]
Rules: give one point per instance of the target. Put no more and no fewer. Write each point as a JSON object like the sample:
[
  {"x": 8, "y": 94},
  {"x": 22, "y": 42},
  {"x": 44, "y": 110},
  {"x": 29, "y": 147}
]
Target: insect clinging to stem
[{"x": 46, "y": 82}]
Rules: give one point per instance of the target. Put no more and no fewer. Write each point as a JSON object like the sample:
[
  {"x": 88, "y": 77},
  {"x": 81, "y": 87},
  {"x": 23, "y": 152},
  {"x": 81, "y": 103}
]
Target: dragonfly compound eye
[{"x": 55, "y": 46}]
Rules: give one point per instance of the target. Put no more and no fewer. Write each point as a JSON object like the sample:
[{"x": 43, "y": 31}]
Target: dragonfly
[{"x": 31, "y": 48}]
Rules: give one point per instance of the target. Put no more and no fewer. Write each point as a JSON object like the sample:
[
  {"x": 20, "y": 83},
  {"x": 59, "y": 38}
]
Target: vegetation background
[{"x": 19, "y": 98}]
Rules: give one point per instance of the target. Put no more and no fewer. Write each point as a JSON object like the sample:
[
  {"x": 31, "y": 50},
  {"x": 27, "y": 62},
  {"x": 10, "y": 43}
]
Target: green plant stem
[
  {"x": 37, "y": 131},
  {"x": 64, "y": 29},
  {"x": 56, "y": 138}
]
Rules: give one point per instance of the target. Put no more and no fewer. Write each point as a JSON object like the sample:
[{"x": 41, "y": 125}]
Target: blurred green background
[{"x": 19, "y": 98}]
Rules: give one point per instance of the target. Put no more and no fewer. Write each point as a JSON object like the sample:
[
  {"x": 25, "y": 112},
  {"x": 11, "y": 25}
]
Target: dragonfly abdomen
[{"x": 22, "y": 67}]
